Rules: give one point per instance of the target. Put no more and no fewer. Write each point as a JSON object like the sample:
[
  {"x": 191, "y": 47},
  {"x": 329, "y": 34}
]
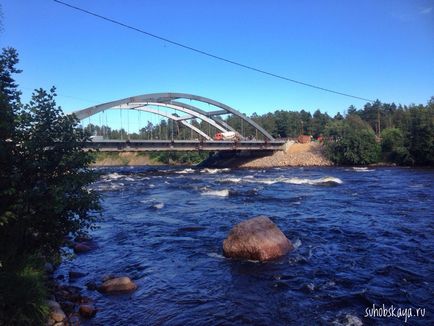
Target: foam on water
[
  {"x": 320, "y": 181},
  {"x": 185, "y": 171},
  {"x": 232, "y": 180},
  {"x": 298, "y": 181},
  {"x": 216, "y": 255},
  {"x": 109, "y": 187},
  {"x": 214, "y": 171},
  {"x": 362, "y": 169},
  {"x": 296, "y": 244},
  {"x": 158, "y": 205},
  {"x": 217, "y": 193},
  {"x": 267, "y": 181},
  {"x": 112, "y": 176}
]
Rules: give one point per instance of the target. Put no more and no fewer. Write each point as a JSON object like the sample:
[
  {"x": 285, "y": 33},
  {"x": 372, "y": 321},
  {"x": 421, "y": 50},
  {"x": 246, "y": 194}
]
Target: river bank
[
  {"x": 309, "y": 154},
  {"x": 123, "y": 158}
]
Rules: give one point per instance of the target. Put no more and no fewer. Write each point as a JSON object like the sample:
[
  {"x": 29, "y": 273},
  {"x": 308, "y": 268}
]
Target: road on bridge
[{"x": 183, "y": 145}]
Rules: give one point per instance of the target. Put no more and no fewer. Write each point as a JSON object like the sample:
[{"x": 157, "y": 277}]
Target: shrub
[
  {"x": 23, "y": 296},
  {"x": 393, "y": 148},
  {"x": 351, "y": 142}
]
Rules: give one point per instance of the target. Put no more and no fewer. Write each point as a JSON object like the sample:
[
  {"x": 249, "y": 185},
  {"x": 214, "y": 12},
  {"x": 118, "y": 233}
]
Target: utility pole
[{"x": 378, "y": 122}]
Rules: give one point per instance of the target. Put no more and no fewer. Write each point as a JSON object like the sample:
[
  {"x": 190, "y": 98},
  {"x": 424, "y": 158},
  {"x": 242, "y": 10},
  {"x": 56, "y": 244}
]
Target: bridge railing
[{"x": 183, "y": 145}]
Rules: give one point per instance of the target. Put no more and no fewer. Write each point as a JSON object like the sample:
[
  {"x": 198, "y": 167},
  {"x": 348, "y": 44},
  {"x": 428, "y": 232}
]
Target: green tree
[
  {"x": 351, "y": 142},
  {"x": 393, "y": 146},
  {"x": 9, "y": 105},
  {"x": 319, "y": 121},
  {"x": 420, "y": 134},
  {"x": 44, "y": 193},
  {"x": 338, "y": 116}
]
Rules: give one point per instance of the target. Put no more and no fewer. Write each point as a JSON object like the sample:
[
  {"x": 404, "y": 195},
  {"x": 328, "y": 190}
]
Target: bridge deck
[{"x": 184, "y": 145}]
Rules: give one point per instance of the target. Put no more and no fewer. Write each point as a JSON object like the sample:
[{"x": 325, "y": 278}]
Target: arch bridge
[{"x": 163, "y": 105}]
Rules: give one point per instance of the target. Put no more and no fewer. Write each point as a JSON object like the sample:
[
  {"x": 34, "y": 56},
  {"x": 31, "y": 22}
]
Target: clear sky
[{"x": 373, "y": 49}]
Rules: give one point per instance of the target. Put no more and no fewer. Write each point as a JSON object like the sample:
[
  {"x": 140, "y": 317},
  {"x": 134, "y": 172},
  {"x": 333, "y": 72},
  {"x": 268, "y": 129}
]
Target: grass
[
  {"x": 23, "y": 295},
  {"x": 157, "y": 157}
]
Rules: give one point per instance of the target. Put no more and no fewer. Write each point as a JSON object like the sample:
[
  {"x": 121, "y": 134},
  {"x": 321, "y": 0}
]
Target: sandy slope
[{"x": 310, "y": 154}]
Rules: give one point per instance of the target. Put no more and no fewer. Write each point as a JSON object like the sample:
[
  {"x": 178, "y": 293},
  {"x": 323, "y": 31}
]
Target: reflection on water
[{"x": 360, "y": 239}]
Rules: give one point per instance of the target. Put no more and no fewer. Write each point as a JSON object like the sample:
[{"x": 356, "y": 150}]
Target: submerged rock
[
  {"x": 84, "y": 244},
  {"x": 87, "y": 310},
  {"x": 118, "y": 284},
  {"x": 81, "y": 248},
  {"x": 75, "y": 274},
  {"x": 348, "y": 320},
  {"x": 91, "y": 286},
  {"x": 256, "y": 239},
  {"x": 68, "y": 293},
  {"x": 83, "y": 238},
  {"x": 68, "y": 307}
]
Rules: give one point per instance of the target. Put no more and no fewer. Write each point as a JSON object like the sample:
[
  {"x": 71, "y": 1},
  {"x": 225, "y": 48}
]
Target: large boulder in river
[
  {"x": 118, "y": 284},
  {"x": 256, "y": 239}
]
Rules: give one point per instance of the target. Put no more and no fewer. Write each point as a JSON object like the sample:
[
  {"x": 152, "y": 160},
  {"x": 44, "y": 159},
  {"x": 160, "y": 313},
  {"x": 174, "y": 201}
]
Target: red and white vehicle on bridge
[{"x": 229, "y": 135}]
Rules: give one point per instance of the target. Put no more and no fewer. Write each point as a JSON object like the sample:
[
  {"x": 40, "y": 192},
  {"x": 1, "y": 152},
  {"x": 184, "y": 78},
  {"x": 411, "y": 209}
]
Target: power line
[{"x": 208, "y": 54}]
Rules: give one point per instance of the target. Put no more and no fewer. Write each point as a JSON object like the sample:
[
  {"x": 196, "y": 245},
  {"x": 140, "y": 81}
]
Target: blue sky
[{"x": 372, "y": 49}]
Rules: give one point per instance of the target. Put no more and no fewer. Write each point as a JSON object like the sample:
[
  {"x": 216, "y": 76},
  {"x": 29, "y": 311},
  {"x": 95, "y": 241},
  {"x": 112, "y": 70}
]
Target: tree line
[
  {"x": 377, "y": 132},
  {"x": 381, "y": 132}
]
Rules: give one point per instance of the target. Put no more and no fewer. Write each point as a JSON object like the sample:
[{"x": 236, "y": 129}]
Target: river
[{"x": 362, "y": 236}]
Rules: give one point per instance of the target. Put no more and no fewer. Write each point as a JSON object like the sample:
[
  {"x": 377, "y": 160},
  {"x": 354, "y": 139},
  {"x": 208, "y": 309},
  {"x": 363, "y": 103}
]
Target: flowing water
[{"x": 361, "y": 236}]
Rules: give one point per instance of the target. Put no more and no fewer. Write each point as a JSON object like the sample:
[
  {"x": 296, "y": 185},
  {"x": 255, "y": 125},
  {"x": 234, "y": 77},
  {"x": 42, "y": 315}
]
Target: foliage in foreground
[
  {"x": 23, "y": 295},
  {"x": 44, "y": 197}
]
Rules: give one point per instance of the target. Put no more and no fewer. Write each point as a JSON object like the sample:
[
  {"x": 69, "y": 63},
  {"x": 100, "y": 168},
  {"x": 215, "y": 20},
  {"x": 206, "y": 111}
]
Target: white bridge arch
[{"x": 142, "y": 102}]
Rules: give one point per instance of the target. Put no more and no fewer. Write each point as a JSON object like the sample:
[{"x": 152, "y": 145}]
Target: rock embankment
[
  {"x": 309, "y": 154},
  {"x": 68, "y": 305}
]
